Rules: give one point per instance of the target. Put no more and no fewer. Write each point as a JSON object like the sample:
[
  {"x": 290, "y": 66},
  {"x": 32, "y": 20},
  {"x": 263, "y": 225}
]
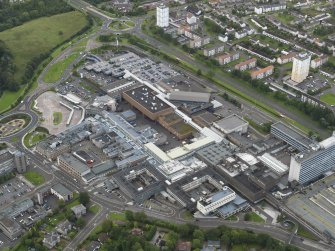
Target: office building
[
  {"x": 209, "y": 204},
  {"x": 290, "y": 136},
  {"x": 309, "y": 166},
  {"x": 162, "y": 16},
  {"x": 300, "y": 69},
  {"x": 20, "y": 160},
  {"x": 10, "y": 228}
]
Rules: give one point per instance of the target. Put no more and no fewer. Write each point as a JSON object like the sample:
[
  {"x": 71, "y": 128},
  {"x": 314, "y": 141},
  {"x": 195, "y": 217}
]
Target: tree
[
  {"x": 199, "y": 72},
  {"x": 198, "y": 234},
  {"x": 84, "y": 198},
  {"x": 129, "y": 215},
  {"x": 80, "y": 222},
  {"x": 196, "y": 243}
]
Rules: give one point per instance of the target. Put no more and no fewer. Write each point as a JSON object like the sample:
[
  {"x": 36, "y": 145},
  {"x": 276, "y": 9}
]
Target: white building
[
  {"x": 208, "y": 204},
  {"x": 300, "y": 69},
  {"x": 162, "y": 16}
]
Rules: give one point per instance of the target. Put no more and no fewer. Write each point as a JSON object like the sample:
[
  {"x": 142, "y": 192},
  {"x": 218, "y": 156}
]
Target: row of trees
[
  {"x": 7, "y": 69},
  {"x": 12, "y": 15},
  {"x": 121, "y": 239},
  {"x": 324, "y": 116}
]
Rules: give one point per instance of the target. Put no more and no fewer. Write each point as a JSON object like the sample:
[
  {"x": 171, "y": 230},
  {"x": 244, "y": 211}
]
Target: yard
[
  {"x": 328, "y": 98},
  {"x": 35, "y": 178}
]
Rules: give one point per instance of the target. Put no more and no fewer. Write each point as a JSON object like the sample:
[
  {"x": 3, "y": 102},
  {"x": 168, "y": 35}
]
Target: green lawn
[
  {"x": 130, "y": 23},
  {"x": 252, "y": 216},
  {"x": 33, "y": 138},
  {"x": 119, "y": 25},
  {"x": 305, "y": 233},
  {"x": 328, "y": 98},
  {"x": 35, "y": 37},
  {"x": 116, "y": 216},
  {"x": 94, "y": 209},
  {"x": 8, "y": 98},
  {"x": 41, "y": 35},
  {"x": 285, "y": 17},
  {"x": 55, "y": 72},
  {"x": 35, "y": 178},
  {"x": 57, "y": 118}
]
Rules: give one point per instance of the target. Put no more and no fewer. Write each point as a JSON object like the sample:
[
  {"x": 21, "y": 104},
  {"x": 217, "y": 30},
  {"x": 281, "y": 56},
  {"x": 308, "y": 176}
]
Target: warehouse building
[
  {"x": 232, "y": 123},
  {"x": 144, "y": 99}
]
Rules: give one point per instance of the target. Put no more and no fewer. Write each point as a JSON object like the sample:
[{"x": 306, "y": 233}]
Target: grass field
[
  {"x": 57, "y": 118},
  {"x": 119, "y": 25},
  {"x": 252, "y": 216},
  {"x": 35, "y": 178},
  {"x": 328, "y": 98},
  {"x": 94, "y": 209},
  {"x": 35, "y": 37},
  {"x": 116, "y": 217},
  {"x": 55, "y": 72},
  {"x": 305, "y": 233}
]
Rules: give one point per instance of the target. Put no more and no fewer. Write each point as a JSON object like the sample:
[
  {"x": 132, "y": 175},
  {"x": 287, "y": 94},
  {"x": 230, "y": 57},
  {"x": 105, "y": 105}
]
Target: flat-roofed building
[
  {"x": 290, "y": 136},
  {"x": 61, "y": 192},
  {"x": 232, "y": 123},
  {"x": 209, "y": 204},
  {"x": 185, "y": 96},
  {"x": 300, "y": 69},
  {"x": 10, "y": 228},
  {"x": 144, "y": 99},
  {"x": 72, "y": 165}
]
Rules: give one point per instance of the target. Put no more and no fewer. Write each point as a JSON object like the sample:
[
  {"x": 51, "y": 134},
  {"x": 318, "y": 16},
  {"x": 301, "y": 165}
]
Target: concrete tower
[
  {"x": 300, "y": 69},
  {"x": 162, "y": 16}
]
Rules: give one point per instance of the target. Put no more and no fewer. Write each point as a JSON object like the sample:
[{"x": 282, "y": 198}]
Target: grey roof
[
  {"x": 232, "y": 206},
  {"x": 74, "y": 162},
  {"x": 79, "y": 208},
  {"x": 103, "y": 167},
  {"x": 190, "y": 96},
  {"x": 231, "y": 122},
  {"x": 292, "y": 133},
  {"x": 61, "y": 189},
  {"x": 214, "y": 153},
  {"x": 219, "y": 195}
]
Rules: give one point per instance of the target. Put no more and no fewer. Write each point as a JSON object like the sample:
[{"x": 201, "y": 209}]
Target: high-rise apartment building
[
  {"x": 162, "y": 16},
  {"x": 300, "y": 68}
]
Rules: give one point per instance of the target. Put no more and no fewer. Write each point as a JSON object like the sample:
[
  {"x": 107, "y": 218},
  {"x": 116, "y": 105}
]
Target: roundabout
[{"x": 13, "y": 123}]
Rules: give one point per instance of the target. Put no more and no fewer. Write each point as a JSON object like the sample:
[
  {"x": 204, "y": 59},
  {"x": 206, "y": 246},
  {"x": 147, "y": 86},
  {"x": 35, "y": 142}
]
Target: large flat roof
[
  {"x": 190, "y": 96},
  {"x": 292, "y": 133},
  {"x": 147, "y": 98},
  {"x": 231, "y": 122}
]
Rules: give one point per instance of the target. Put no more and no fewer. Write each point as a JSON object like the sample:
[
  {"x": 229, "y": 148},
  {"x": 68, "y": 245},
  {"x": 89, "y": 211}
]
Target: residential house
[
  {"x": 79, "y": 210},
  {"x": 228, "y": 57},
  {"x": 64, "y": 227},
  {"x": 211, "y": 51},
  {"x": 245, "y": 65},
  {"x": 262, "y": 73},
  {"x": 51, "y": 239}
]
